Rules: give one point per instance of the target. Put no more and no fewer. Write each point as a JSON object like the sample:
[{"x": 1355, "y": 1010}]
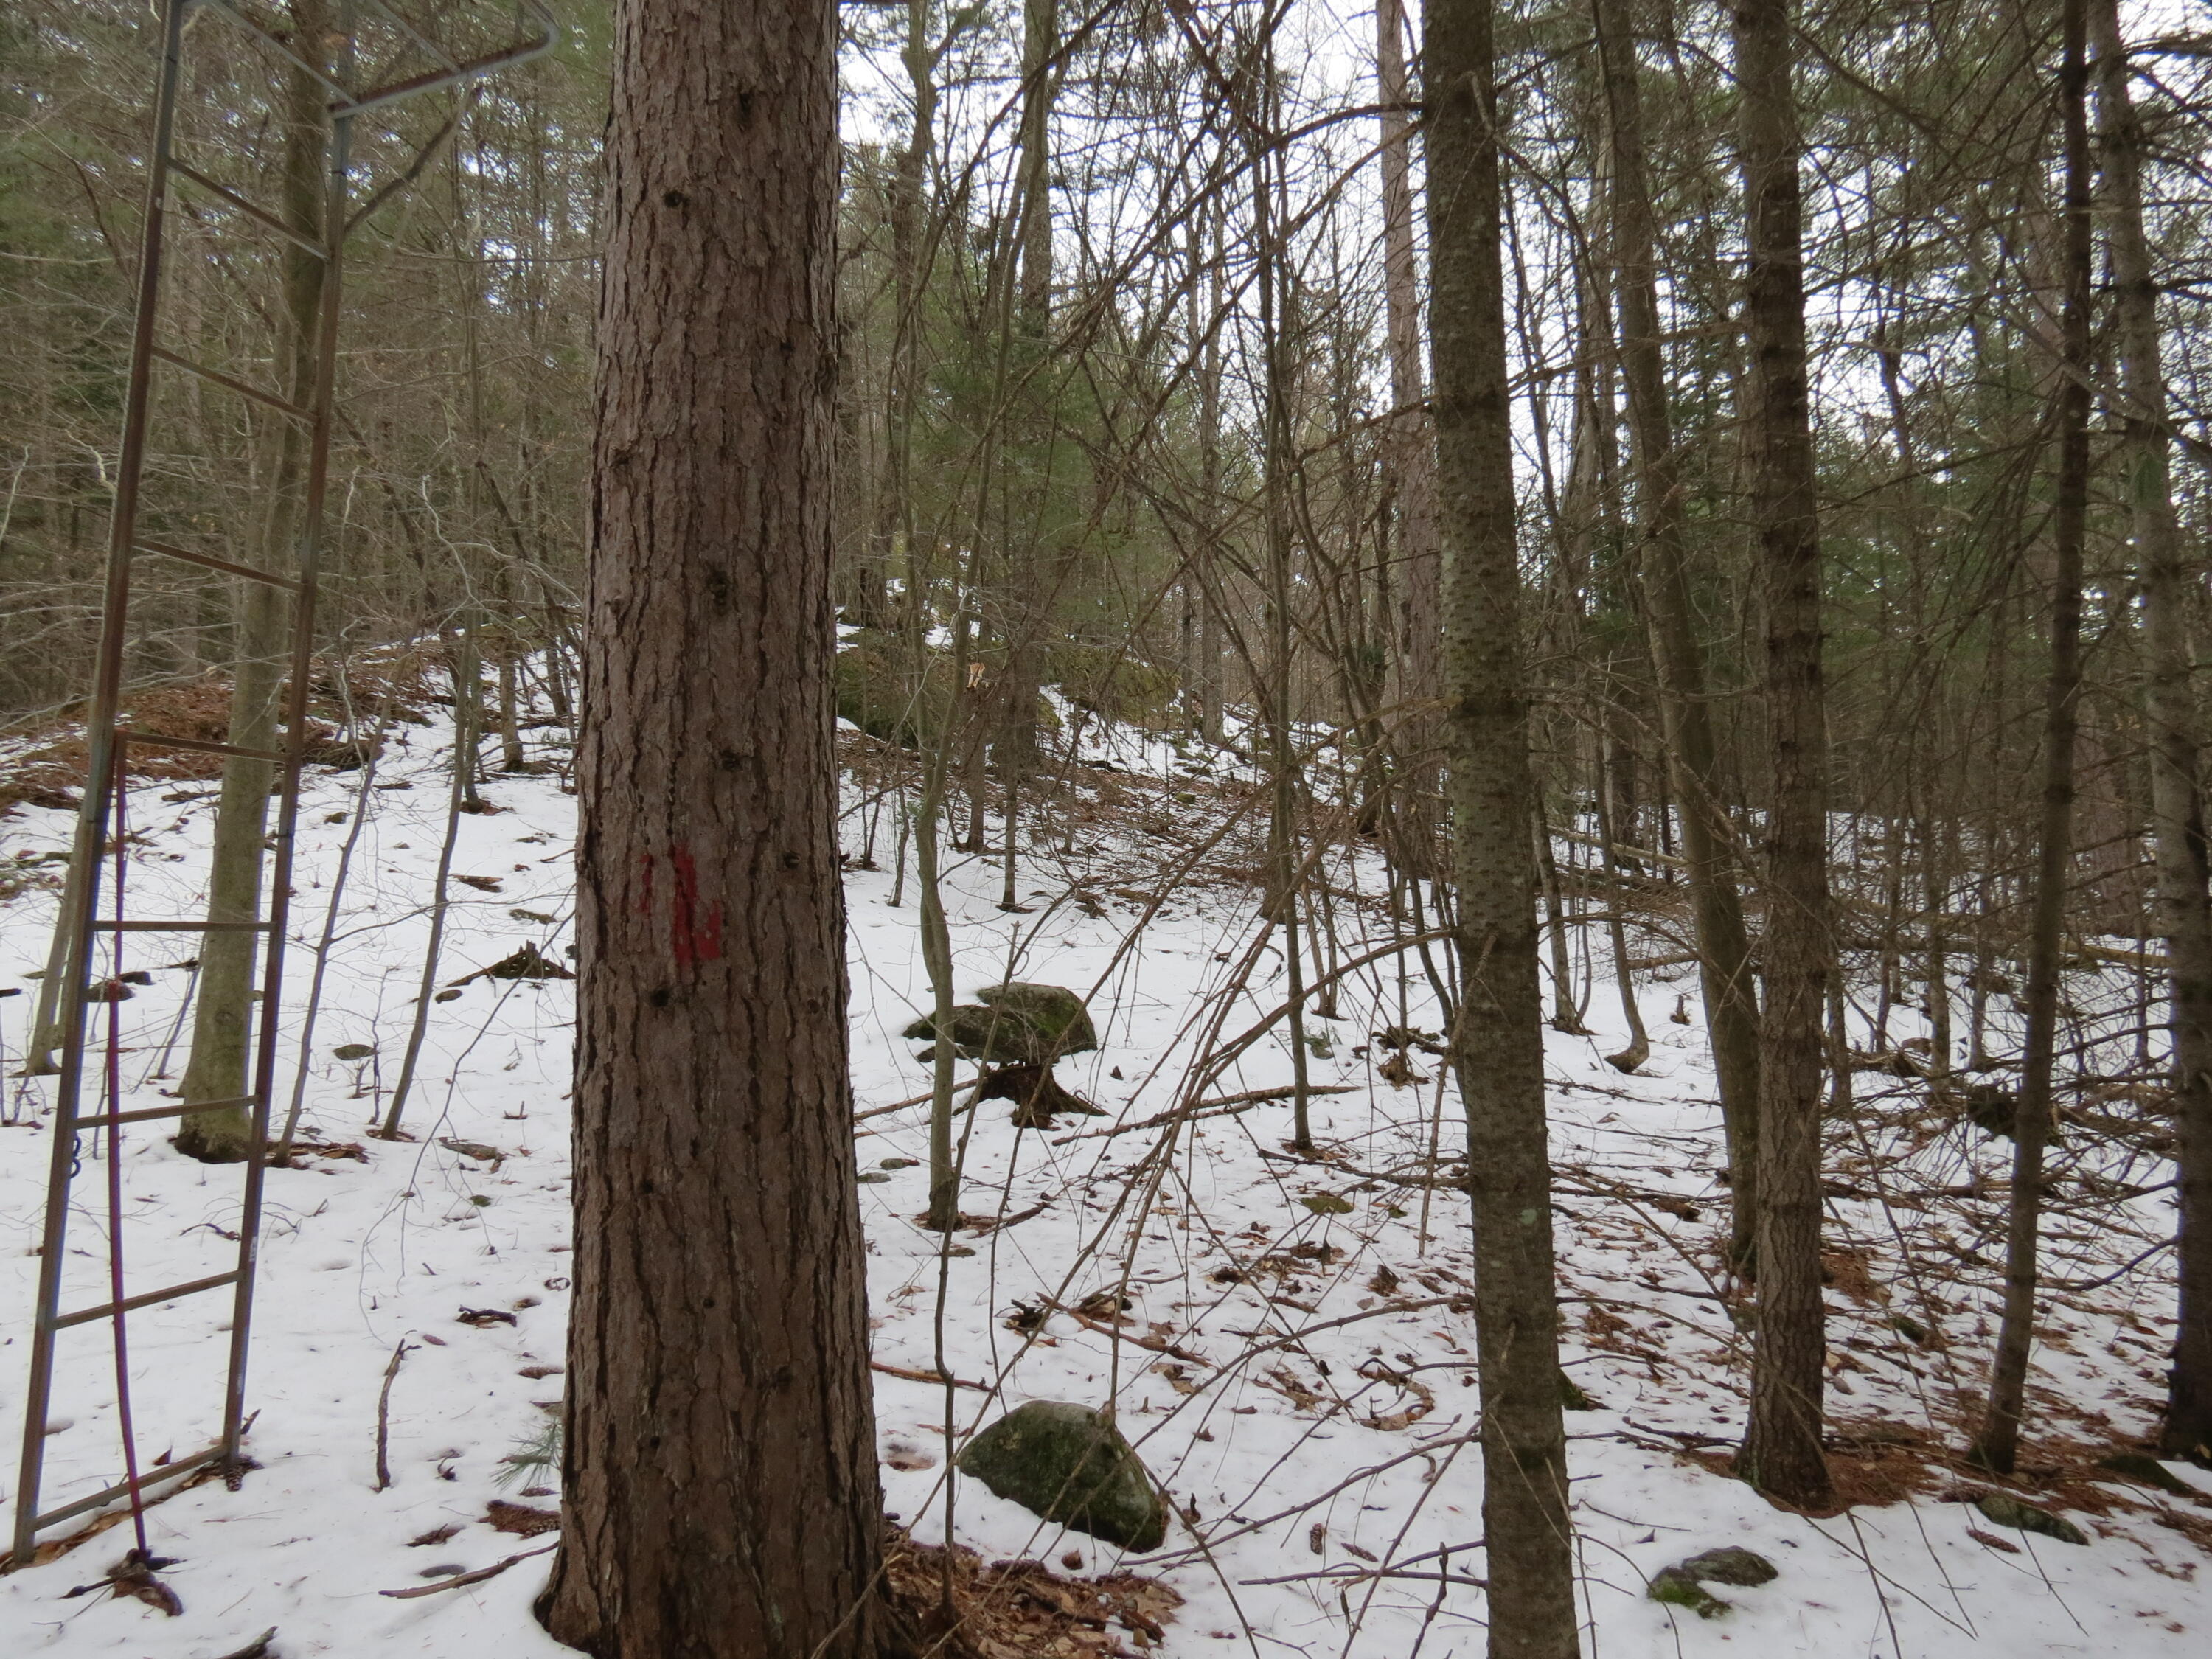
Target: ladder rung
[
  {"x": 179, "y": 926},
  {"x": 199, "y": 745},
  {"x": 153, "y": 1477},
  {"x": 208, "y": 562},
  {"x": 282, "y": 405},
  {"x": 473, "y": 68},
  {"x": 145, "y": 1299},
  {"x": 260, "y": 214},
  {"x": 93, "y": 1120}
]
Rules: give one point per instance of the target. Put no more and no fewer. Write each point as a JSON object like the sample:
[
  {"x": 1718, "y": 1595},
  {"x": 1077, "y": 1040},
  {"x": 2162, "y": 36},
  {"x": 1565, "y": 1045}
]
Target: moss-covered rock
[
  {"x": 1016, "y": 1024},
  {"x": 1670, "y": 1587},
  {"x": 1731, "y": 1564},
  {"x": 2145, "y": 1470},
  {"x": 1068, "y": 1464},
  {"x": 1683, "y": 1584},
  {"x": 876, "y": 688},
  {"x": 2007, "y": 1511},
  {"x": 1108, "y": 681},
  {"x": 1052, "y": 1012}
]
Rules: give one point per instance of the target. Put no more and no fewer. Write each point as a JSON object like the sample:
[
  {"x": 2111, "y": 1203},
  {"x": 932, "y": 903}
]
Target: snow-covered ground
[{"x": 1296, "y": 1364}]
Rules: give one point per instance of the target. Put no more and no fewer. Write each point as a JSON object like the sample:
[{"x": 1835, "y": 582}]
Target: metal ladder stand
[{"x": 409, "y": 60}]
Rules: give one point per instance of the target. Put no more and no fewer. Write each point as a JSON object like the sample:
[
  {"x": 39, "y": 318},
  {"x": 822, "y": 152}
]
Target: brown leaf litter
[
  {"x": 523, "y": 1520},
  {"x": 1023, "y": 1609}
]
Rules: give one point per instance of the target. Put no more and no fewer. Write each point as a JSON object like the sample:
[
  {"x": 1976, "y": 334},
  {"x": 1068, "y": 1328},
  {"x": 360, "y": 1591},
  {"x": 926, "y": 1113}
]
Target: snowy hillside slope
[{"x": 1295, "y": 1359}]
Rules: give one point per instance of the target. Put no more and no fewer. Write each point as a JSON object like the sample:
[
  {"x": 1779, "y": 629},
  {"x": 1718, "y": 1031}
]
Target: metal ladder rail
[
  {"x": 95, "y": 812},
  {"x": 106, "y": 777}
]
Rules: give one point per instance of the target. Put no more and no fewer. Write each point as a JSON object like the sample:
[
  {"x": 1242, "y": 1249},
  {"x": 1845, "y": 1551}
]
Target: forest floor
[{"x": 1286, "y": 1339}]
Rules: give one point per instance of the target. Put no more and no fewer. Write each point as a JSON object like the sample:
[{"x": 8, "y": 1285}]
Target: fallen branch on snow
[{"x": 459, "y": 1579}]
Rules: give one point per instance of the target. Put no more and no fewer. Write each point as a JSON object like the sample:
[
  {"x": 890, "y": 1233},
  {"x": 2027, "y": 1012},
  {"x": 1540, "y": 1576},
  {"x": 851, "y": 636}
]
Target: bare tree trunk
[
  {"x": 1888, "y": 965},
  {"x": 1285, "y": 865},
  {"x": 1497, "y": 1039},
  {"x": 506, "y": 642},
  {"x": 1032, "y": 569},
  {"x": 333, "y": 913},
  {"x": 1207, "y": 568},
  {"x": 441, "y": 891},
  {"x": 944, "y": 1212},
  {"x": 1638, "y": 1050},
  {"x": 1781, "y": 1453},
  {"x": 718, "y": 1380},
  {"x": 1709, "y": 845},
  {"x": 1566, "y": 1018},
  {"x": 903, "y": 389},
  {"x": 2170, "y": 709},
  {"x": 510, "y": 728},
  {"x": 466, "y": 667},
  {"x": 1410, "y": 458},
  {"x": 1040, "y": 44},
  {"x": 1984, "y": 968},
  {"x": 1996, "y": 1446},
  {"x": 223, "y": 1021},
  {"x": 1937, "y": 879}
]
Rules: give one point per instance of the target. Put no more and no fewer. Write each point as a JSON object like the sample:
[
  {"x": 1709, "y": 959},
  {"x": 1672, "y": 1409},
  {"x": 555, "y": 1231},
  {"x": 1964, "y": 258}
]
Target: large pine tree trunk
[
  {"x": 1498, "y": 1038},
  {"x": 1780, "y": 1452},
  {"x": 1996, "y": 1446},
  {"x": 1708, "y": 838},
  {"x": 2170, "y": 709},
  {"x": 720, "y": 1493}
]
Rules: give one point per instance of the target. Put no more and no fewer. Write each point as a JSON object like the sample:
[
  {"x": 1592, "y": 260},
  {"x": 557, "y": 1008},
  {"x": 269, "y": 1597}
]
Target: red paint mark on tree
[{"x": 695, "y": 934}]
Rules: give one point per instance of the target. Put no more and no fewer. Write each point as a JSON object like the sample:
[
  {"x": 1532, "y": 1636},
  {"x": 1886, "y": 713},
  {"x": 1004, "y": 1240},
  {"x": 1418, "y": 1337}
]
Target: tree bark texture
[
  {"x": 1708, "y": 838},
  {"x": 721, "y": 1494},
  {"x": 1781, "y": 1453},
  {"x": 1035, "y": 551},
  {"x": 1206, "y": 261},
  {"x": 1410, "y": 458},
  {"x": 222, "y": 1019},
  {"x": 2170, "y": 713},
  {"x": 1996, "y": 1446},
  {"x": 1277, "y": 460},
  {"x": 1497, "y": 1039}
]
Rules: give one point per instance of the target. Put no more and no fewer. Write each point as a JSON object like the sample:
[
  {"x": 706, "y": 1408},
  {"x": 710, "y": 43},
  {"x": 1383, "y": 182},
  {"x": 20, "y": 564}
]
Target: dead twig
[
  {"x": 934, "y": 1378},
  {"x": 1353, "y": 1576},
  {"x": 1224, "y": 1106},
  {"x": 459, "y": 1579},
  {"x": 1151, "y": 1344},
  {"x": 897, "y": 1105},
  {"x": 135, "y": 1576},
  {"x": 384, "y": 1418}
]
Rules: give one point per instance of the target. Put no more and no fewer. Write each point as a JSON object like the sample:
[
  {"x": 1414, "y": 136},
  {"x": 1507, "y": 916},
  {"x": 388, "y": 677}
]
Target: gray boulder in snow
[{"x": 1070, "y": 1464}]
